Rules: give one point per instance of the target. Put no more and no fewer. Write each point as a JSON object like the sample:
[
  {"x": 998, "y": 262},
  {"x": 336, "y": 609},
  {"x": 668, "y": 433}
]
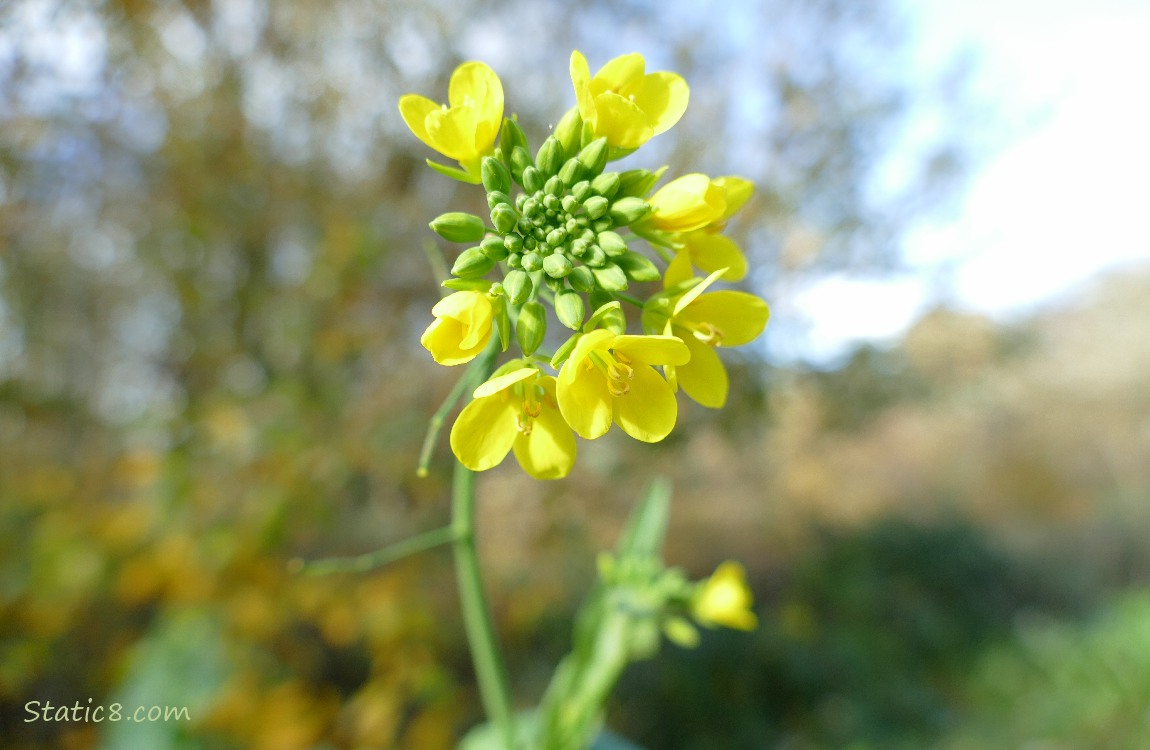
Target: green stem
[
  {"x": 628, "y": 299},
  {"x": 372, "y": 560},
  {"x": 489, "y": 669}
]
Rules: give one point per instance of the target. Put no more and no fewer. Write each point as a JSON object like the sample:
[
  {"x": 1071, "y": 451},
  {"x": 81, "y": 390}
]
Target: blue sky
[{"x": 1061, "y": 202}]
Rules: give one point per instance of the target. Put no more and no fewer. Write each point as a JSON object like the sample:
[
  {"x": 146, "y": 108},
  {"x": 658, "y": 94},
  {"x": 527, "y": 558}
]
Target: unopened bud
[
  {"x": 471, "y": 264},
  {"x": 517, "y": 285},
  {"x": 569, "y": 308},
  {"x": 496, "y": 176},
  {"x": 556, "y": 265},
  {"x": 458, "y": 226},
  {"x": 606, "y": 184},
  {"x": 581, "y": 279},
  {"x": 568, "y": 130},
  {"x": 572, "y": 171},
  {"x": 610, "y": 277},
  {"x": 532, "y": 179},
  {"x": 511, "y": 137},
  {"x": 531, "y": 326},
  {"x": 532, "y": 261},
  {"x": 504, "y": 217},
  {"x": 495, "y": 197},
  {"x": 612, "y": 244},
  {"x": 553, "y": 186},
  {"x": 593, "y": 157},
  {"x": 520, "y": 160},
  {"x": 596, "y": 206},
  {"x": 549, "y": 157},
  {"x": 569, "y": 203},
  {"x": 638, "y": 182},
  {"x": 595, "y": 257},
  {"x": 582, "y": 190},
  {"x": 494, "y": 248},
  {"x": 556, "y": 237},
  {"x": 629, "y": 210},
  {"x": 638, "y": 267}
]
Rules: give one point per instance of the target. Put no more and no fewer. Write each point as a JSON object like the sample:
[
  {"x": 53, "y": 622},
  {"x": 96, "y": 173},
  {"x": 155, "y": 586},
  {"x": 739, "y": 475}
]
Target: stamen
[
  {"x": 524, "y": 423},
  {"x": 708, "y": 334}
]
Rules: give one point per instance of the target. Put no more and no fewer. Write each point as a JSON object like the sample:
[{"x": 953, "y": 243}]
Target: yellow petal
[
  {"x": 549, "y": 451},
  {"x": 725, "y": 599},
  {"x": 484, "y": 432},
  {"x": 621, "y": 73},
  {"x": 678, "y": 270},
  {"x": 584, "y": 399},
  {"x": 453, "y": 132},
  {"x": 475, "y": 86},
  {"x": 739, "y": 316},
  {"x": 736, "y": 192},
  {"x": 581, "y": 80},
  {"x": 663, "y": 96},
  {"x": 621, "y": 122},
  {"x": 654, "y": 350},
  {"x": 414, "y": 109},
  {"x": 442, "y": 339},
  {"x": 703, "y": 378},
  {"x": 649, "y": 410},
  {"x": 710, "y": 252},
  {"x": 687, "y": 203}
]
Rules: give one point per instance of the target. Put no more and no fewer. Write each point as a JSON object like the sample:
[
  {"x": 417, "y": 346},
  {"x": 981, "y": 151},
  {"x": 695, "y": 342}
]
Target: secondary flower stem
[
  {"x": 485, "y": 654},
  {"x": 372, "y": 560}
]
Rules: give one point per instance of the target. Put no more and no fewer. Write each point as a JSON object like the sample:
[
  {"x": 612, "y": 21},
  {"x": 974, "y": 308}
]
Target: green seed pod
[
  {"x": 496, "y": 176},
  {"x": 581, "y": 279},
  {"x": 638, "y": 267},
  {"x": 496, "y": 197},
  {"x": 570, "y": 309},
  {"x": 504, "y": 217},
  {"x": 550, "y": 156},
  {"x": 531, "y": 326},
  {"x": 595, "y": 257},
  {"x": 593, "y": 157},
  {"x": 556, "y": 265},
  {"x": 532, "y": 179},
  {"x": 520, "y": 160},
  {"x": 458, "y": 227},
  {"x": 532, "y": 261},
  {"x": 494, "y": 248},
  {"x": 572, "y": 171},
  {"x": 606, "y": 184},
  {"x": 610, "y": 277},
  {"x": 628, "y": 210},
  {"x": 517, "y": 285},
  {"x": 471, "y": 264},
  {"x": 596, "y": 206},
  {"x": 612, "y": 244}
]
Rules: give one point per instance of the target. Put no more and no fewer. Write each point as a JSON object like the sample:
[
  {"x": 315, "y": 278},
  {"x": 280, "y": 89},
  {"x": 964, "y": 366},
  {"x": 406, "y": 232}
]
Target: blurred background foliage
[{"x": 212, "y": 280}]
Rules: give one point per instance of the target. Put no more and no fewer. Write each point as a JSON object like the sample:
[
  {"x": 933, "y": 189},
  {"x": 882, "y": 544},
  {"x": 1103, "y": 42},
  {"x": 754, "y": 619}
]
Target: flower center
[
  {"x": 616, "y": 368},
  {"x": 708, "y": 333}
]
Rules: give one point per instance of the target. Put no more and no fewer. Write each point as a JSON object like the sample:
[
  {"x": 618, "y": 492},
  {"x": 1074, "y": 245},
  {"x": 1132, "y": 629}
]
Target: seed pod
[
  {"x": 569, "y": 308},
  {"x": 458, "y": 226},
  {"x": 531, "y": 326}
]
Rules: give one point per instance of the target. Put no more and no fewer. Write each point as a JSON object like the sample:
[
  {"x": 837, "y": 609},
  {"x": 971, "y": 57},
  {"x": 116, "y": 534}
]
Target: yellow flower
[
  {"x": 693, "y": 209},
  {"x": 705, "y": 322},
  {"x": 725, "y": 600},
  {"x": 609, "y": 378},
  {"x": 516, "y": 411},
  {"x": 466, "y": 128},
  {"x": 461, "y": 329},
  {"x": 624, "y": 104}
]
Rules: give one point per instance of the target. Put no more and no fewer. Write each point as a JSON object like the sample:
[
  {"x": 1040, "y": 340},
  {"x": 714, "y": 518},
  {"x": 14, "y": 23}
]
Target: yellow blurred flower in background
[{"x": 725, "y": 600}]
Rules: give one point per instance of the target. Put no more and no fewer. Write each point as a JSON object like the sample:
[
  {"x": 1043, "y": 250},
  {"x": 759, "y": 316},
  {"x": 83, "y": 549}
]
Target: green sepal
[
  {"x": 656, "y": 312},
  {"x": 454, "y": 173},
  {"x": 638, "y": 267},
  {"x": 472, "y": 263},
  {"x": 531, "y": 327},
  {"x": 570, "y": 309},
  {"x": 502, "y": 321},
  {"x": 609, "y": 315},
  {"x": 638, "y": 182},
  {"x": 564, "y": 351},
  {"x": 457, "y": 226},
  {"x": 467, "y": 285}
]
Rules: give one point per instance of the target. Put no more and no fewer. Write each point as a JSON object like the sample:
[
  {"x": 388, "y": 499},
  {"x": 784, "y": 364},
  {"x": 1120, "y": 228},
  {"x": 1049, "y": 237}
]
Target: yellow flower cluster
[{"x": 564, "y": 232}]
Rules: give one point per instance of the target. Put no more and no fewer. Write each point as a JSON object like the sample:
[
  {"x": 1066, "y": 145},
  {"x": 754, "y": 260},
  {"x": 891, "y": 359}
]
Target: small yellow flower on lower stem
[
  {"x": 462, "y": 327},
  {"x": 725, "y": 600},
  {"x": 464, "y": 129},
  {"x": 624, "y": 103},
  {"x": 515, "y": 411},
  {"x": 609, "y": 378}
]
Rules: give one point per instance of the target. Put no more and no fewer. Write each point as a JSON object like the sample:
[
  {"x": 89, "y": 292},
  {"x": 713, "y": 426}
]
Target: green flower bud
[
  {"x": 602, "y": 225},
  {"x": 518, "y": 286},
  {"x": 569, "y": 203},
  {"x": 568, "y": 131},
  {"x": 551, "y": 202},
  {"x": 610, "y": 277},
  {"x": 513, "y": 243},
  {"x": 520, "y": 160},
  {"x": 504, "y": 217},
  {"x": 550, "y": 156},
  {"x": 556, "y": 266},
  {"x": 593, "y": 157},
  {"x": 531, "y": 326},
  {"x": 596, "y": 206},
  {"x": 606, "y": 184},
  {"x": 556, "y": 237},
  {"x": 515, "y": 260},
  {"x": 496, "y": 177},
  {"x": 571, "y": 225},
  {"x": 581, "y": 279},
  {"x": 555, "y": 285},
  {"x": 458, "y": 227},
  {"x": 532, "y": 179},
  {"x": 579, "y": 247},
  {"x": 638, "y": 182},
  {"x": 638, "y": 267},
  {"x": 612, "y": 244},
  {"x": 495, "y": 197},
  {"x": 571, "y": 172},
  {"x": 511, "y": 136},
  {"x": 581, "y": 190},
  {"x": 529, "y": 242},
  {"x": 553, "y": 187},
  {"x": 595, "y": 257},
  {"x": 494, "y": 248},
  {"x": 471, "y": 264},
  {"x": 628, "y": 210},
  {"x": 569, "y": 308},
  {"x": 532, "y": 261}
]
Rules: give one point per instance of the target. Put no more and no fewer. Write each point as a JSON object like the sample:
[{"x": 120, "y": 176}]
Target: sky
[{"x": 1059, "y": 203}]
